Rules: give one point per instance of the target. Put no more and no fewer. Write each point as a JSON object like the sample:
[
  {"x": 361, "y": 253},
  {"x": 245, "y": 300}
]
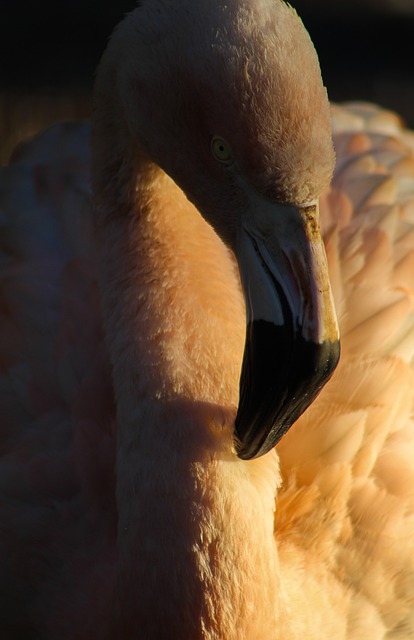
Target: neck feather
[{"x": 195, "y": 523}]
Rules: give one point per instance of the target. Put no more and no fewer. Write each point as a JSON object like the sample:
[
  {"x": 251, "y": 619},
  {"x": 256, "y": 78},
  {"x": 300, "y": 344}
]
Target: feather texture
[
  {"x": 102, "y": 537},
  {"x": 348, "y": 490}
]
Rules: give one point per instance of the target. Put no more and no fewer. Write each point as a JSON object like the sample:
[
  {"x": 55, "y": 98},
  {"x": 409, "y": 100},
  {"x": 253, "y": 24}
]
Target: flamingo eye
[{"x": 221, "y": 150}]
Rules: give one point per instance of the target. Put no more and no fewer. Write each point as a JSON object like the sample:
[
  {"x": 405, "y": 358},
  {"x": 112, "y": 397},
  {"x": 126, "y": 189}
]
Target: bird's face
[{"x": 227, "y": 98}]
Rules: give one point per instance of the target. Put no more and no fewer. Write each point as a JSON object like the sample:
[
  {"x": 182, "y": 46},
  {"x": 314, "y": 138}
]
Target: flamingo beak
[{"x": 292, "y": 337}]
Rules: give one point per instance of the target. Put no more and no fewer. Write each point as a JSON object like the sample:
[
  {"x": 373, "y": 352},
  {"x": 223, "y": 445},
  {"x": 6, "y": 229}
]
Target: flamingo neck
[{"x": 195, "y": 523}]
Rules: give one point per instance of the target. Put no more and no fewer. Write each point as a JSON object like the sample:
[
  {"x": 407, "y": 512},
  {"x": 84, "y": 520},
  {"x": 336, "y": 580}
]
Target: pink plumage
[
  {"x": 57, "y": 408},
  {"x": 125, "y": 510}
]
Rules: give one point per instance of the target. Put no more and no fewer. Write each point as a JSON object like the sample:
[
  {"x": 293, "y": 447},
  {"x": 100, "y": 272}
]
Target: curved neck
[{"x": 195, "y": 523}]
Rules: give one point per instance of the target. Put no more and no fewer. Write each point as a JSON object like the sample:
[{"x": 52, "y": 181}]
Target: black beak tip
[{"x": 281, "y": 377}]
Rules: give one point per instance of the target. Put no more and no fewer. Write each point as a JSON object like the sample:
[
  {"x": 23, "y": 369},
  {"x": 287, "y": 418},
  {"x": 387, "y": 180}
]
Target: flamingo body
[{"x": 125, "y": 511}]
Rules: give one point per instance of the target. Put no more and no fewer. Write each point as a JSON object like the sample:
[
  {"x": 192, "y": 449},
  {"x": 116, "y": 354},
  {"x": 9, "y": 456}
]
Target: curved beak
[{"x": 292, "y": 337}]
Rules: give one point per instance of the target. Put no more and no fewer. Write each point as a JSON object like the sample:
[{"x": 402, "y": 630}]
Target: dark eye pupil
[{"x": 220, "y": 149}]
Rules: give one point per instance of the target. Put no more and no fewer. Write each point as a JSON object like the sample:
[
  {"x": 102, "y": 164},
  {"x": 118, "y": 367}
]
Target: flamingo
[{"x": 168, "y": 317}]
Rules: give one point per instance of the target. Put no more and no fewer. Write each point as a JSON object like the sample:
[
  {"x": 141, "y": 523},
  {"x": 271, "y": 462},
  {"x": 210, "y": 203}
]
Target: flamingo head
[{"x": 226, "y": 97}]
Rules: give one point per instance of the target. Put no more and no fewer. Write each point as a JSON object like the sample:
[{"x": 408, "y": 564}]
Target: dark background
[{"x": 49, "y": 50}]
